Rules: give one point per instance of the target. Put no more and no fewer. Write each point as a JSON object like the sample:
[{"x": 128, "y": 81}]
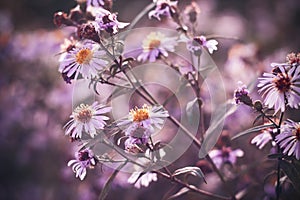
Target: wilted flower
[
  {"x": 289, "y": 138},
  {"x": 195, "y": 44},
  {"x": 225, "y": 156},
  {"x": 84, "y": 159},
  {"x": 87, "y": 118},
  {"x": 263, "y": 138},
  {"x": 84, "y": 59},
  {"x": 140, "y": 122},
  {"x": 142, "y": 179},
  {"x": 241, "y": 95},
  {"x": 156, "y": 44},
  {"x": 108, "y": 21},
  {"x": 163, "y": 8},
  {"x": 281, "y": 88}
]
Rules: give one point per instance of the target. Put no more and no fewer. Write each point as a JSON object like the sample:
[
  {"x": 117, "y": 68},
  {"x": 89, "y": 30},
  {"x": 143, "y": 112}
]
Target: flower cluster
[{"x": 166, "y": 8}]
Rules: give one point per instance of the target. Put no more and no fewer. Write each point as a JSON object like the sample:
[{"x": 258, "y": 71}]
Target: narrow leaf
[
  {"x": 195, "y": 171},
  {"x": 291, "y": 171},
  {"x": 107, "y": 185},
  {"x": 179, "y": 193},
  {"x": 252, "y": 130},
  {"x": 192, "y": 111}
]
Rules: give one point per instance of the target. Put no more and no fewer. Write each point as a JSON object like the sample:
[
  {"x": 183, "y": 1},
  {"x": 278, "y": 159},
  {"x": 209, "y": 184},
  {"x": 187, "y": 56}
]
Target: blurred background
[{"x": 36, "y": 102}]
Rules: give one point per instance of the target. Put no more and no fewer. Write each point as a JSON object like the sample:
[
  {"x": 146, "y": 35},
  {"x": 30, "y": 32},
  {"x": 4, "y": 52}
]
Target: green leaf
[
  {"x": 252, "y": 130},
  {"x": 179, "y": 193},
  {"x": 214, "y": 131},
  {"x": 107, "y": 185},
  {"x": 192, "y": 111},
  {"x": 292, "y": 173},
  {"x": 195, "y": 171}
]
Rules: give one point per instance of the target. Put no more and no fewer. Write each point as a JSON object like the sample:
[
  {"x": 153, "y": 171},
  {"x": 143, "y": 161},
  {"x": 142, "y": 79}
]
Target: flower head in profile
[
  {"x": 289, "y": 138},
  {"x": 225, "y": 156},
  {"x": 155, "y": 45},
  {"x": 85, "y": 59},
  {"x": 241, "y": 95},
  {"x": 87, "y": 118},
  {"x": 263, "y": 138},
  {"x": 196, "y": 44},
  {"x": 281, "y": 88},
  {"x": 141, "y": 122},
  {"x": 108, "y": 21},
  {"x": 163, "y": 8},
  {"x": 142, "y": 179},
  {"x": 83, "y": 159}
]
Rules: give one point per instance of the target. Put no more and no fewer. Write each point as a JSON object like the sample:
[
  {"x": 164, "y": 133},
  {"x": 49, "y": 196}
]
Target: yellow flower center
[
  {"x": 83, "y": 113},
  {"x": 84, "y": 56},
  {"x": 140, "y": 114},
  {"x": 154, "y": 44}
]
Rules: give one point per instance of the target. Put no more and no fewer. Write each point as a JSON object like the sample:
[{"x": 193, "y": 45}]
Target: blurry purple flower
[
  {"x": 140, "y": 121},
  {"x": 281, "y": 88},
  {"x": 163, "y": 8},
  {"x": 156, "y": 44},
  {"x": 289, "y": 138},
  {"x": 225, "y": 156},
  {"x": 84, "y": 159},
  {"x": 132, "y": 143},
  {"x": 87, "y": 118},
  {"x": 86, "y": 59},
  {"x": 139, "y": 179},
  {"x": 241, "y": 95},
  {"x": 108, "y": 21},
  {"x": 95, "y": 3},
  {"x": 195, "y": 45},
  {"x": 263, "y": 138},
  {"x": 293, "y": 59}
]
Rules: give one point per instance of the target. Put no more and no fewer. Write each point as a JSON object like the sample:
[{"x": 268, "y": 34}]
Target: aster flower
[
  {"x": 196, "y": 44},
  {"x": 141, "y": 122},
  {"x": 289, "y": 138},
  {"x": 163, "y": 8},
  {"x": 84, "y": 59},
  {"x": 142, "y": 179},
  {"x": 225, "y": 156},
  {"x": 281, "y": 88},
  {"x": 87, "y": 118},
  {"x": 263, "y": 138},
  {"x": 84, "y": 159},
  {"x": 156, "y": 44},
  {"x": 241, "y": 95},
  {"x": 108, "y": 21}
]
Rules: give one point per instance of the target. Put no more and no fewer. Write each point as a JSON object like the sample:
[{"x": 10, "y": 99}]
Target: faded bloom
[
  {"x": 87, "y": 118},
  {"x": 157, "y": 44},
  {"x": 85, "y": 59},
  {"x": 195, "y": 45},
  {"x": 84, "y": 159},
  {"x": 281, "y": 88},
  {"x": 142, "y": 179},
  {"x": 225, "y": 156},
  {"x": 163, "y": 8},
  {"x": 289, "y": 138},
  {"x": 140, "y": 122},
  {"x": 192, "y": 11},
  {"x": 108, "y": 21},
  {"x": 241, "y": 95},
  {"x": 263, "y": 138}
]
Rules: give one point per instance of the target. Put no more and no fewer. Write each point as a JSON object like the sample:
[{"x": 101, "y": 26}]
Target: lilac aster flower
[
  {"x": 163, "y": 8},
  {"x": 263, "y": 138},
  {"x": 289, "y": 138},
  {"x": 281, "y": 88},
  {"x": 195, "y": 44},
  {"x": 85, "y": 59},
  {"x": 140, "y": 122},
  {"x": 156, "y": 44},
  {"x": 225, "y": 155},
  {"x": 142, "y": 179},
  {"x": 241, "y": 95},
  {"x": 84, "y": 159},
  {"x": 87, "y": 118},
  {"x": 108, "y": 21}
]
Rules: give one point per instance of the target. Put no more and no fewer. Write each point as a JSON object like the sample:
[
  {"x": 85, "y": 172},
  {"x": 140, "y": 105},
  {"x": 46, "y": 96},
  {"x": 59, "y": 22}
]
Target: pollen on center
[
  {"x": 140, "y": 114},
  {"x": 84, "y": 56}
]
